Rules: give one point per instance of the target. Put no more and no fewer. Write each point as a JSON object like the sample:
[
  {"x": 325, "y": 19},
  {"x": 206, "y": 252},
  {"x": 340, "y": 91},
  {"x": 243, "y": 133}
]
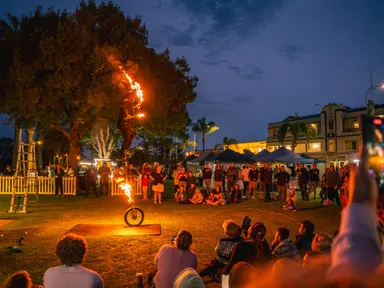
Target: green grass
[{"x": 118, "y": 259}]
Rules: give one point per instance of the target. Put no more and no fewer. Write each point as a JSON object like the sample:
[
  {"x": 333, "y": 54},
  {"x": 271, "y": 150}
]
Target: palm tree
[
  {"x": 228, "y": 141},
  {"x": 204, "y": 128},
  {"x": 295, "y": 129}
]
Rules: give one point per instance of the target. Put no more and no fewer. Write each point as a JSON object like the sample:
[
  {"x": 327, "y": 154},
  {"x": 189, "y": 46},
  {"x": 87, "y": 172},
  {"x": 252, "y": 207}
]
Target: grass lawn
[{"x": 119, "y": 258}]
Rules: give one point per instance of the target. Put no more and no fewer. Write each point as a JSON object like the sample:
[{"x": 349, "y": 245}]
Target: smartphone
[
  {"x": 224, "y": 281},
  {"x": 373, "y": 139},
  {"x": 173, "y": 242}
]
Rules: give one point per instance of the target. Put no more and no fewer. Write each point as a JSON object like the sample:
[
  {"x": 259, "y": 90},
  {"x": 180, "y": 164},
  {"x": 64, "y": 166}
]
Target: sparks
[{"x": 134, "y": 85}]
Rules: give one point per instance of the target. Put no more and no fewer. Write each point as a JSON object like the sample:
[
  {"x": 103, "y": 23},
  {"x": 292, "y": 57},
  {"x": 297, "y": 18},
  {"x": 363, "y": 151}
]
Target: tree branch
[{"x": 65, "y": 133}]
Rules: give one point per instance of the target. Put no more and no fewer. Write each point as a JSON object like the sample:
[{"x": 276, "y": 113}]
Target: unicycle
[{"x": 134, "y": 216}]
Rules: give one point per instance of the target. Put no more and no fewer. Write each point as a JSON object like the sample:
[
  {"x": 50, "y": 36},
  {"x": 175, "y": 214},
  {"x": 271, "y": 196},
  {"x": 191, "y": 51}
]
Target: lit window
[{"x": 356, "y": 124}]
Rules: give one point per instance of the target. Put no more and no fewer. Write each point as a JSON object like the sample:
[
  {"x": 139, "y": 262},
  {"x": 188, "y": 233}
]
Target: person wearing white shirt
[
  {"x": 70, "y": 250},
  {"x": 245, "y": 178}
]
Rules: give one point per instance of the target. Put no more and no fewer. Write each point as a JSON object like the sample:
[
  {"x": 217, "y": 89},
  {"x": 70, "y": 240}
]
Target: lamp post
[{"x": 370, "y": 106}]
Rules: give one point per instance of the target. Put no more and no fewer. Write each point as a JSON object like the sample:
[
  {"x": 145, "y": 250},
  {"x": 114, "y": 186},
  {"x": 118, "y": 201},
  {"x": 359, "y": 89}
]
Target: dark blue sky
[{"x": 261, "y": 60}]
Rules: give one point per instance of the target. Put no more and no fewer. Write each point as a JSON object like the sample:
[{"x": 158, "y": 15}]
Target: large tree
[
  {"x": 295, "y": 130},
  {"x": 204, "y": 128},
  {"x": 76, "y": 79}
]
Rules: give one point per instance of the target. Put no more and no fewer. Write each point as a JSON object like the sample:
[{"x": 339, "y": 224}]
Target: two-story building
[{"x": 338, "y": 135}]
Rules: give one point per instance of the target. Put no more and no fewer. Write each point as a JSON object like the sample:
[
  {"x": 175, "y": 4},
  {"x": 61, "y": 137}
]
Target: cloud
[
  {"x": 211, "y": 102},
  {"x": 213, "y": 63},
  {"x": 249, "y": 72},
  {"x": 224, "y": 18},
  {"x": 293, "y": 52},
  {"x": 245, "y": 99},
  {"x": 178, "y": 37}
]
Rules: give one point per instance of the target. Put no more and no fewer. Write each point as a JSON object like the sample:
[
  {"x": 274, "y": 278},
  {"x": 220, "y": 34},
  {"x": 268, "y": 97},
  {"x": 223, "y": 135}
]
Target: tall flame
[
  {"x": 134, "y": 85},
  {"x": 126, "y": 187}
]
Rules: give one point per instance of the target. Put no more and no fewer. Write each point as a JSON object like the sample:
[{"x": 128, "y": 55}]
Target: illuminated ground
[{"x": 118, "y": 259}]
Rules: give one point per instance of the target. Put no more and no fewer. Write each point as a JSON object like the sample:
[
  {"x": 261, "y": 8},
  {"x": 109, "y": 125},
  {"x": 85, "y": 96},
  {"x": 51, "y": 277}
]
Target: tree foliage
[
  {"x": 73, "y": 80},
  {"x": 228, "y": 141},
  {"x": 295, "y": 130},
  {"x": 204, "y": 128}
]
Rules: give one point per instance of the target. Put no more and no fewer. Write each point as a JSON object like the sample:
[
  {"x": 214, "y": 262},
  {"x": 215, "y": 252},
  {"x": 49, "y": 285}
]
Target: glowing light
[
  {"x": 126, "y": 187},
  {"x": 140, "y": 115},
  {"x": 377, "y": 121},
  {"x": 134, "y": 85},
  {"x": 315, "y": 146}
]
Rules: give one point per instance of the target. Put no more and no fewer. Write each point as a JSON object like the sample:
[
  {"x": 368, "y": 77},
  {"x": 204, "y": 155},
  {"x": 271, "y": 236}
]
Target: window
[
  {"x": 331, "y": 124},
  {"x": 315, "y": 147},
  {"x": 356, "y": 124},
  {"x": 351, "y": 145},
  {"x": 332, "y": 147}
]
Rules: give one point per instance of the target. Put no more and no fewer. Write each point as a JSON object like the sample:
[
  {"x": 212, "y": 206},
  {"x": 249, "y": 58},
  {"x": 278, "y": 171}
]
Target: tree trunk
[
  {"x": 74, "y": 151},
  {"x": 16, "y": 140},
  {"x": 293, "y": 145},
  {"x": 203, "y": 140}
]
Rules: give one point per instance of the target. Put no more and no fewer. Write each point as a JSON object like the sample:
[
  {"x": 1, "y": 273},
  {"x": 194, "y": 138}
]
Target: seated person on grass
[
  {"x": 304, "y": 238},
  {"x": 292, "y": 203},
  {"x": 254, "y": 250},
  {"x": 282, "y": 247},
  {"x": 180, "y": 195},
  {"x": 211, "y": 199},
  {"x": 70, "y": 250},
  {"x": 191, "y": 191},
  {"x": 197, "y": 197},
  {"x": 20, "y": 279},
  {"x": 223, "y": 248},
  {"x": 220, "y": 199},
  {"x": 236, "y": 194},
  {"x": 171, "y": 260}
]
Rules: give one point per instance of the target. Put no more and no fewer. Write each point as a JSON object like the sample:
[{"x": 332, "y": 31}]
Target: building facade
[
  {"x": 253, "y": 146},
  {"x": 338, "y": 134}
]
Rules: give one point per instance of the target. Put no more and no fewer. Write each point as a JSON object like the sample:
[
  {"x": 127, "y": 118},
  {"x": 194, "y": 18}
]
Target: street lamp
[{"x": 370, "y": 110}]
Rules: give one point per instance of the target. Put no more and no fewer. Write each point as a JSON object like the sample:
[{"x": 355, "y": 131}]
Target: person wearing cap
[
  {"x": 223, "y": 248},
  {"x": 188, "y": 278}
]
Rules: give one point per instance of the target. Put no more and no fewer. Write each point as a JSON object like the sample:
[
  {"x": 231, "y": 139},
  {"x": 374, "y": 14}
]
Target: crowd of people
[{"x": 244, "y": 258}]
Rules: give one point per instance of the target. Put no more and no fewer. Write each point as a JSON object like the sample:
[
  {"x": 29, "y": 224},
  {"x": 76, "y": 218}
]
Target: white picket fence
[
  {"x": 116, "y": 190},
  {"x": 44, "y": 185}
]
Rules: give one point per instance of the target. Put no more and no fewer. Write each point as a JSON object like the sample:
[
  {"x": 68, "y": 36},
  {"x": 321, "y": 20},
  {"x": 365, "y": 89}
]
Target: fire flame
[
  {"x": 134, "y": 85},
  {"x": 126, "y": 187}
]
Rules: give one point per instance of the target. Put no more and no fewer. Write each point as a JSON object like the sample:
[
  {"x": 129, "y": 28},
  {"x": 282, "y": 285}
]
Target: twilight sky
[{"x": 261, "y": 60}]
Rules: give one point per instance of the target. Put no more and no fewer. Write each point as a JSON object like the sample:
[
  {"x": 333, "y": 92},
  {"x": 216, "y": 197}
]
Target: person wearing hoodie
[
  {"x": 172, "y": 259},
  {"x": 223, "y": 248},
  {"x": 188, "y": 278},
  {"x": 282, "y": 247}
]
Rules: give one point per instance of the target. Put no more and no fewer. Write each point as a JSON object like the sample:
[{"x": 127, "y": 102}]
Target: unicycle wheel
[{"x": 134, "y": 216}]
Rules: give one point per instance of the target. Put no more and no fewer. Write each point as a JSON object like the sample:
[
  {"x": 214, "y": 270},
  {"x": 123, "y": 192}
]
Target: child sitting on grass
[
  {"x": 236, "y": 194},
  {"x": 211, "y": 199},
  {"x": 180, "y": 195},
  {"x": 291, "y": 201},
  {"x": 197, "y": 197},
  {"x": 220, "y": 200}
]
